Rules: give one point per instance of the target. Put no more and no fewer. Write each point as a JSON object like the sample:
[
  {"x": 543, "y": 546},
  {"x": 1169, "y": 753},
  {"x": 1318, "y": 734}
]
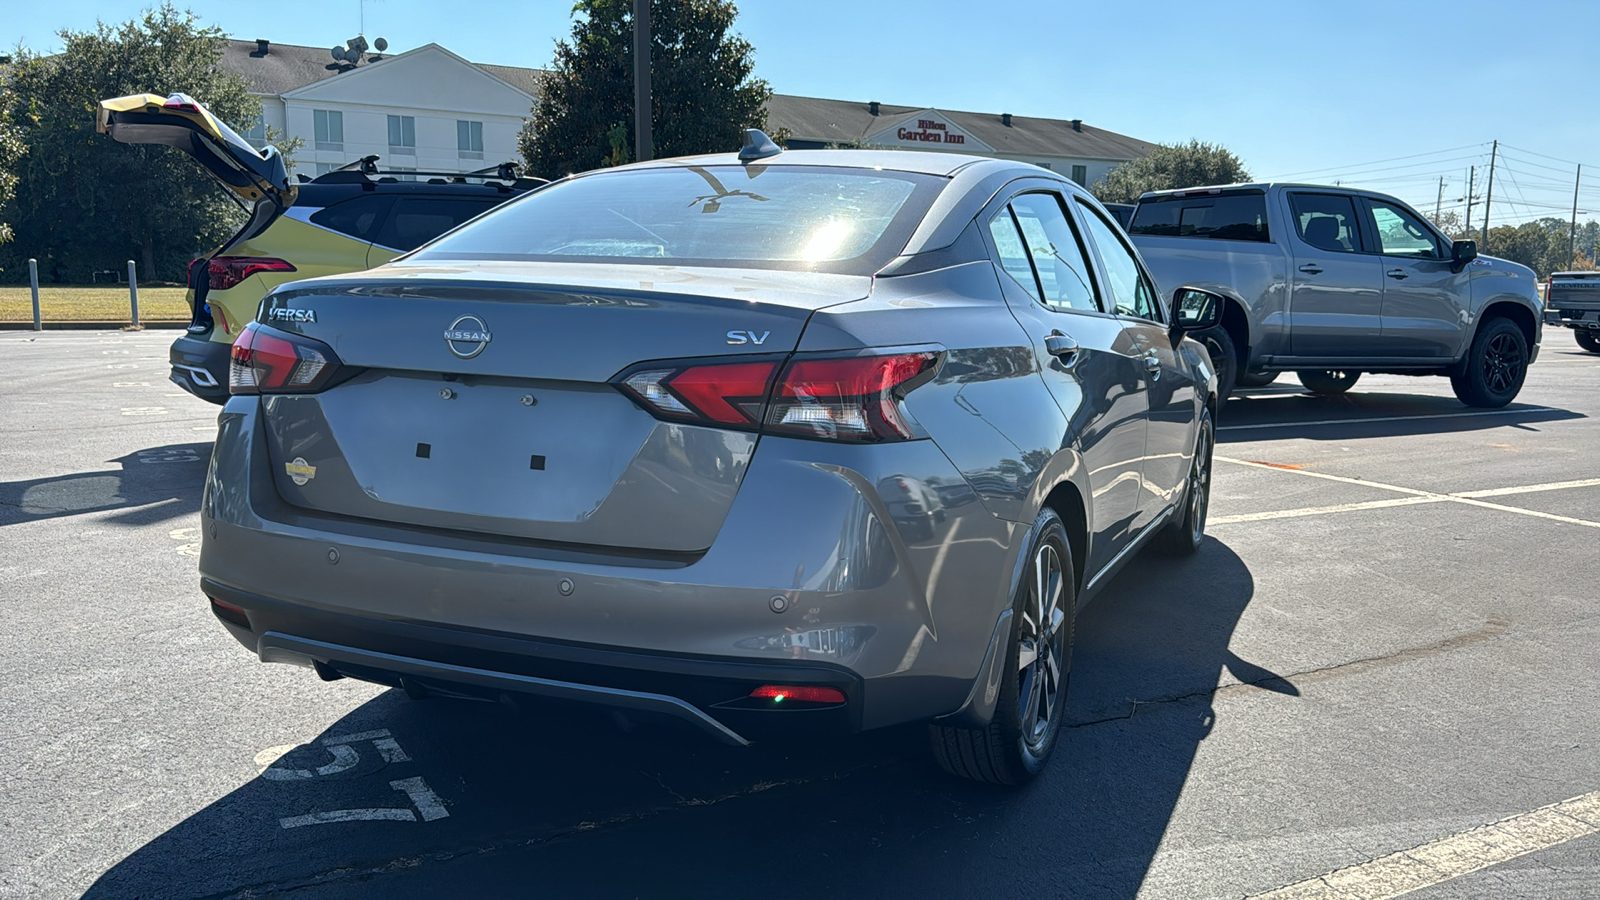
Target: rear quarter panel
[{"x": 313, "y": 251}]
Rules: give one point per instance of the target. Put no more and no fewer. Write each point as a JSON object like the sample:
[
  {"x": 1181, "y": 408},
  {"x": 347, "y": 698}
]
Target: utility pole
[
  {"x": 1472, "y": 175},
  {"x": 1572, "y": 236},
  {"x": 1489, "y": 196},
  {"x": 1439, "y": 203},
  {"x": 641, "y": 81}
]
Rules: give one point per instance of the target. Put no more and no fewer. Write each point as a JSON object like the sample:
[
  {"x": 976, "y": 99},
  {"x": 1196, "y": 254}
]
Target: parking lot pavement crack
[{"x": 1288, "y": 684}]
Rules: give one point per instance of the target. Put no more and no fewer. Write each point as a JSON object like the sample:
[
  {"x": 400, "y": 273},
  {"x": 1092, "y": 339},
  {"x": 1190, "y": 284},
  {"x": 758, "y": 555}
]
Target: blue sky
[{"x": 1387, "y": 95}]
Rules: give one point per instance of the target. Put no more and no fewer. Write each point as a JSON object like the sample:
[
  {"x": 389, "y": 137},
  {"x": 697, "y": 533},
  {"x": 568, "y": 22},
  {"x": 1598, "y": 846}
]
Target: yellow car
[{"x": 344, "y": 221}]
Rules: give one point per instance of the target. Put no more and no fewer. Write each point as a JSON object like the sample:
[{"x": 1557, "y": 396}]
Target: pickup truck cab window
[
  {"x": 1326, "y": 221},
  {"x": 1402, "y": 234},
  {"x": 1219, "y": 216},
  {"x": 1058, "y": 256},
  {"x": 1129, "y": 287}
]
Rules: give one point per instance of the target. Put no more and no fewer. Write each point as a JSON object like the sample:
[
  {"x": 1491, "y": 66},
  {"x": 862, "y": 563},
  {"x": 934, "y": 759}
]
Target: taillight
[
  {"x": 227, "y": 271},
  {"x": 850, "y": 398},
  {"x": 182, "y": 102},
  {"x": 268, "y": 361}
]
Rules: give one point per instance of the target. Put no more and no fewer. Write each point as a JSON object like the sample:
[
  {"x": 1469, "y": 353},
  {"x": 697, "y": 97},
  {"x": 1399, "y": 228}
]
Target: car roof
[{"x": 919, "y": 161}]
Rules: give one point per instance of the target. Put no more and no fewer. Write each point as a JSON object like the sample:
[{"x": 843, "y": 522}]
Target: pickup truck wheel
[
  {"x": 1588, "y": 339},
  {"x": 1329, "y": 381},
  {"x": 1033, "y": 690},
  {"x": 1256, "y": 379},
  {"x": 1183, "y": 535},
  {"x": 1495, "y": 367},
  {"x": 1224, "y": 359}
]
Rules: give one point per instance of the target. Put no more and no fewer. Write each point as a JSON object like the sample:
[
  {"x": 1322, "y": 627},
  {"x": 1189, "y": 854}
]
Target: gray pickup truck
[
  {"x": 1572, "y": 300},
  {"x": 1330, "y": 282}
]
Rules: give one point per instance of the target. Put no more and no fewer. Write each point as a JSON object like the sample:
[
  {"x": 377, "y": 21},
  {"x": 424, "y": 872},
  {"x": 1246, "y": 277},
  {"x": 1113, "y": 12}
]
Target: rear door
[
  {"x": 1049, "y": 285},
  {"x": 1336, "y": 285},
  {"x": 1423, "y": 293},
  {"x": 414, "y": 221}
]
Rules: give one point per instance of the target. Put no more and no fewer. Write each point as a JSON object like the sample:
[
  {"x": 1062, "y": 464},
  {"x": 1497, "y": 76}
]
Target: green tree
[
  {"x": 12, "y": 150},
  {"x": 1171, "y": 166},
  {"x": 85, "y": 202},
  {"x": 702, "y": 92}
]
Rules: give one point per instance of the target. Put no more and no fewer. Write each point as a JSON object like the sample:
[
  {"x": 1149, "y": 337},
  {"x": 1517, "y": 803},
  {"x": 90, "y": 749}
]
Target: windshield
[{"x": 808, "y": 218}]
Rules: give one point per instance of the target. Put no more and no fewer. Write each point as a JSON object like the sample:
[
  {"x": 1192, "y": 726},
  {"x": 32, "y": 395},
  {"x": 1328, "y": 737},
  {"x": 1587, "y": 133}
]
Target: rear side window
[
  {"x": 1237, "y": 216},
  {"x": 1326, "y": 221},
  {"x": 1013, "y": 252},
  {"x": 418, "y": 220},
  {"x": 805, "y": 218},
  {"x": 358, "y": 218},
  {"x": 1057, "y": 254}
]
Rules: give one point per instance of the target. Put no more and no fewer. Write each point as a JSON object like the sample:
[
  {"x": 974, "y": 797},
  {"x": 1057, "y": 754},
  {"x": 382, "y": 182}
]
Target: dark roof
[
  {"x": 816, "y": 119},
  {"x": 286, "y": 67}
]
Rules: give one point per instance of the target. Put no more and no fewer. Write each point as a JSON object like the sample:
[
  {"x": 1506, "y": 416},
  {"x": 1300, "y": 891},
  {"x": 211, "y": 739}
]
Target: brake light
[
  {"x": 182, "y": 102},
  {"x": 849, "y": 398},
  {"x": 781, "y": 693},
  {"x": 227, "y": 271},
  {"x": 268, "y": 361}
]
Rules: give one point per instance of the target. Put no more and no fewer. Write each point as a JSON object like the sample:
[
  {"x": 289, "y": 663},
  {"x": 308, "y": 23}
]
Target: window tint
[
  {"x": 417, "y": 220},
  {"x": 359, "y": 218},
  {"x": 804, "y": 218},
  {"x": 1326, "y": 221},
  {"x": 1240, "y": 216},
  {"x": 1013, "y": 253},
  {"x": 1131, "y": 290},
  {"x": 1402, "y": 234},
  {"x": 1058, "y": 257}
]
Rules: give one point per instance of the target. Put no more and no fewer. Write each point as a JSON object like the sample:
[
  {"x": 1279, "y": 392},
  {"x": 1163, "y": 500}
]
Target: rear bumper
[
  {"x": 200, "y": 366},
  {"x": 811, "y": 580}
]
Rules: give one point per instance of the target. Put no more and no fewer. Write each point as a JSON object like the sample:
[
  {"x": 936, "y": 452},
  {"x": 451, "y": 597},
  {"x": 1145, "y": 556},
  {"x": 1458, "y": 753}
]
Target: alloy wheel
[
  {"x": 1200, "y": 482},
  {"x": 1503, "y": 363},
  {"x": 1041, "y": 650}
]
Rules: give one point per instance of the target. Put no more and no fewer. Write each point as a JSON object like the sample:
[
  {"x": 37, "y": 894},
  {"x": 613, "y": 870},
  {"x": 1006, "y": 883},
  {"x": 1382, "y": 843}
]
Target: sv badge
[{"x": 747, "y": 337}]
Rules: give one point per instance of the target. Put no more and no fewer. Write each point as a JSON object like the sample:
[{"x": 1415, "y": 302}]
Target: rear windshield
[
  {"x": 1236, "y": 216},
  {"x": 808, "y": 218}
]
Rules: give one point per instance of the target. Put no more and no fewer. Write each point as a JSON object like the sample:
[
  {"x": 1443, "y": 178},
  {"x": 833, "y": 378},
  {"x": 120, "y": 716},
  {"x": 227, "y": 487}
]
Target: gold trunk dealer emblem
[{"x": 300, "y": 471}]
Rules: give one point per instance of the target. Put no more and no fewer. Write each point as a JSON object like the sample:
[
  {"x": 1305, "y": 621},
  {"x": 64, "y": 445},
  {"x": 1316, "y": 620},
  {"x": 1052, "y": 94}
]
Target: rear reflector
[
  {"x": 787, "y": 693},
  {"x": 227, "y": 612},
  {"x": 847, "y": 398},
  {"x": 268, "y": 361}
]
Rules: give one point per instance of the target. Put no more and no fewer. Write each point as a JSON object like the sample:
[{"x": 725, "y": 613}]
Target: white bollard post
[
  {"x": 33, "y": 282},
  {"x": 133, "y": 293}
]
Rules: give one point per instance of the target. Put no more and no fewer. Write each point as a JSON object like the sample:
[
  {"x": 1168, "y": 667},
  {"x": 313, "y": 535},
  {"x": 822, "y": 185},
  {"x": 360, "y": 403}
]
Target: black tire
[
  {"x": 1256, "y": 379},
  {"x": 1015, "y": 746},
  {"x": 1588, "y": 339},
  {"x": 1224, "y": 359},
  {"x": 1495, "y": 367},
  {"x": 1329, "y": 382},
  {"x": 1183, "y": 535}
]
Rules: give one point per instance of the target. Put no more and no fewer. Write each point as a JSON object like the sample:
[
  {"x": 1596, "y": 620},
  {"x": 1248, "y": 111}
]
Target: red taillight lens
[
  {"x": 182, "y": 102},
  {"x": 784, "y": 693},
  {"x": 268, "y": 361},
  {"x": 227, "y": 271},
  {"x": 853, "y": 398}
]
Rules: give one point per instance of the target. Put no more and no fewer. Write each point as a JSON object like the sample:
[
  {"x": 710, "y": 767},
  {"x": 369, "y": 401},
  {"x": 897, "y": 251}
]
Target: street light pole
[{"x": 641, "y": 81}]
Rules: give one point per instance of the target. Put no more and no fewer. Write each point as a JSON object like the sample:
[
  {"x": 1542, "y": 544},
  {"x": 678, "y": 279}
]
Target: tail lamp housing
[
  {"x": 855, "y": 397},
  {"x": 224, "y": 272},
  {"x": 268, "y": 361}
]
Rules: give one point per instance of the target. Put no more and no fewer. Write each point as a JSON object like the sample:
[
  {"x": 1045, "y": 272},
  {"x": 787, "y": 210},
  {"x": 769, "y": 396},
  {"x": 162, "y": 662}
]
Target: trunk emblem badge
[
  {"x": 300, "y": 471},
  {"x": 467, "y": 337}
]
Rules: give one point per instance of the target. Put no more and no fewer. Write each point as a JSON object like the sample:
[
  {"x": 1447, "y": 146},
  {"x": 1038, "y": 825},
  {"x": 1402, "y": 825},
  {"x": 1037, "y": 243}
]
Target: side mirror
[
  {"x": 1194, "y": 309},
  {"x": 1463, "y": 252}
]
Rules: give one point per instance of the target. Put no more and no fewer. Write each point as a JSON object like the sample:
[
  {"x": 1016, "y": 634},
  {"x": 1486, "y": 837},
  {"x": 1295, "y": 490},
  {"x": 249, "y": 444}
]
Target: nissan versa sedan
[{"x": 810, "y": 441}]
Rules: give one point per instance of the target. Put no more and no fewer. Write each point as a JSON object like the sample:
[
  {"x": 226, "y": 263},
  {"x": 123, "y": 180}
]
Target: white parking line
[
  {"x": 1469, "y": 498},
  {"x": 1360, "y": 421},
  {"x": 1439, "y": 861}
]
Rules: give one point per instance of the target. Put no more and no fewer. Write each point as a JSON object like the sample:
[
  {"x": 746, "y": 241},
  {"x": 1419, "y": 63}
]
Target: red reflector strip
[{"x": 783, "y": 693}]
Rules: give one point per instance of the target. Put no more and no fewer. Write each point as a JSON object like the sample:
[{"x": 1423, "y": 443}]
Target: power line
[{"x": 1377, "y": 161}]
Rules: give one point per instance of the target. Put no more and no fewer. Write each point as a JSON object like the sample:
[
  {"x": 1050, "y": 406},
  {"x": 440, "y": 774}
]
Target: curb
[{"x": 89, "y": 326}]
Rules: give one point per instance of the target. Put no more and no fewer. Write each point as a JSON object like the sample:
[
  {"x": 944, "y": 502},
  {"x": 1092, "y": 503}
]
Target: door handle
[
  {"x": 1061, "y": 346},
  {"x": 1397, "y": 274},
  {"x": 1152, "y": 364},
  {"x": 1311, "y": 269}
]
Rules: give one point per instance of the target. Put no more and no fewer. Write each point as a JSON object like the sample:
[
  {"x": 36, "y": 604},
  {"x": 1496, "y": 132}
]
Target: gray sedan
[{"x": 810, "y": 441}]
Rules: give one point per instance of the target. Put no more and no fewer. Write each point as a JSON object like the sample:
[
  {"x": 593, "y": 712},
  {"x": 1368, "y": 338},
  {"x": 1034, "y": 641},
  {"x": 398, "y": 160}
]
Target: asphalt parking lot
[{"x": 1390, "y": 640}]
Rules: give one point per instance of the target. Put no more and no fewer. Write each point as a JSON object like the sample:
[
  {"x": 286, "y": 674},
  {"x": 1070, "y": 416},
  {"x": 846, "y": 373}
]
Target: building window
[
  {"x": 403, "y": 135},
  {"x": 255, "y": 132},
  {"x": 1080, "y": 174},
  {"x": 1044, "y": 165},
  {"x": 329, "y": 127},
  {"x": 469, "y": 139}
]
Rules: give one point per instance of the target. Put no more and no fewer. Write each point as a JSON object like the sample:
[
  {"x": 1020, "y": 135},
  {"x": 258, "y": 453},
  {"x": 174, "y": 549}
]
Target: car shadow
[
  {"x": 153, "y": 485},
  {"x": 478, "y": 799},
  {"x": 1279, "y": 411}
]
